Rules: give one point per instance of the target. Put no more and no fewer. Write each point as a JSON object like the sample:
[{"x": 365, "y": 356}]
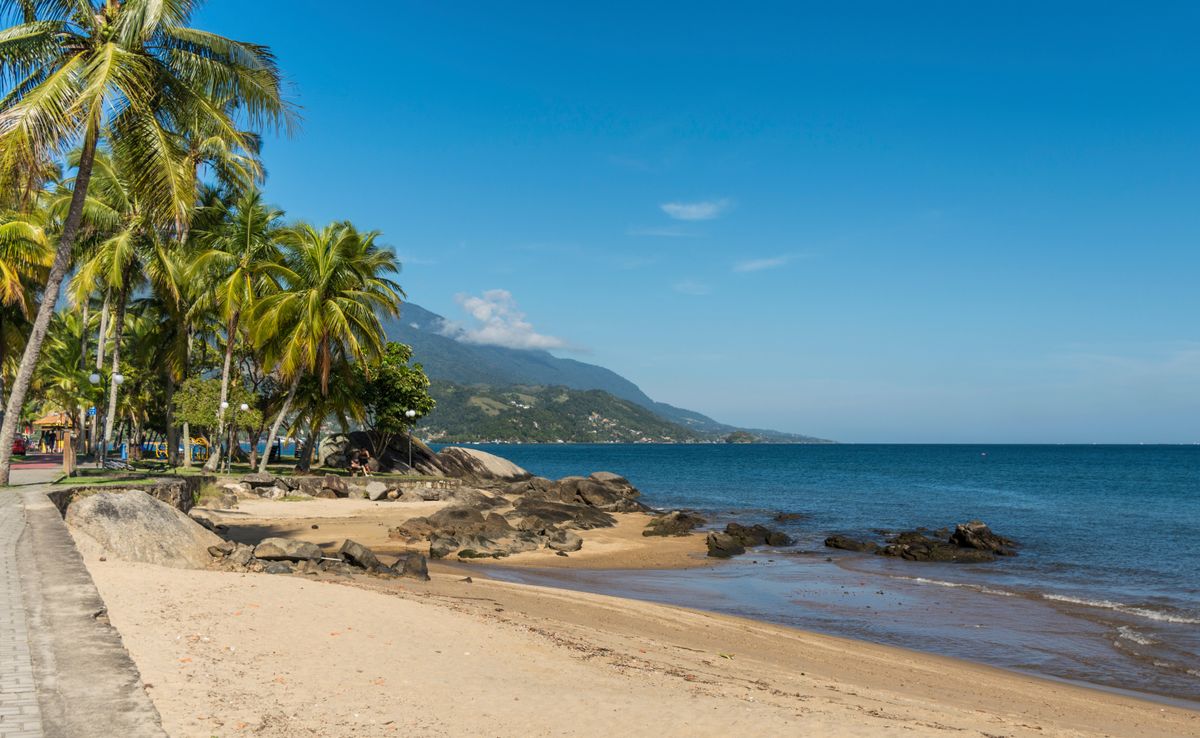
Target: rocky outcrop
[
  {"x": 723, "y": 545},
  {"x": 737, "y": 538},
  {"x": 470, "y": 463},
  {"x": 286, "y": 549},
  {"x": 530, "y": 514},
  {"x": 133, "y": 526},
  {"x": 970, "y": 543},
  {"x": 674, "y": 523}
]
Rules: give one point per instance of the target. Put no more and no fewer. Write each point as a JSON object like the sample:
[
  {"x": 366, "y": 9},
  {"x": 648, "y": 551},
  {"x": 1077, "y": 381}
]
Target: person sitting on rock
[{"x": 361, "y": 462}]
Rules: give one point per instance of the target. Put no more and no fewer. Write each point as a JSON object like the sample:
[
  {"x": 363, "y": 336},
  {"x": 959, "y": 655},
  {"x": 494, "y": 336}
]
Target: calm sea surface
[{"x": 1106, "y": 589}]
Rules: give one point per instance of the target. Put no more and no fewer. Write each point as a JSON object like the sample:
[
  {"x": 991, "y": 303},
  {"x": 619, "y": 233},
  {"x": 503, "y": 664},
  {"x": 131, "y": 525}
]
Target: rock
[
  {"x": 846, "y": 543},
  {"x": 757, "y": 535},
  {"x": 241, "y": 557},
  {"x": 610, "y": 496},
  {"x": 723, "y": 545},
  {"x": 258, "y": 479},
  {"x": 227, "y": 501},
  {"x": 278, "y": 567},
  {"x": 286, "y": 549},
  {"x": 440, "y": 548},
  {"x": 538, "y": 487},
  {"x": 336, "y": 485},
  {"x": 533, "y": 513},
  {"x": 475, "y": 464},
  {"x": 610, "y": 478},
  {"x": 470, "y": 497},
  {"x": 564, "y": 540},
  {"x": 133, "y": 526},
  {"x": 414, "y": 566},
  {"x": 376, "y": 490},
  {"x": 977, "y": 535},
  {"x": 222, "y": 549},
  {"x": 359, "y": 555},
  {"x": 675, "y": 523},
  {"x": 393, "y": 494}
]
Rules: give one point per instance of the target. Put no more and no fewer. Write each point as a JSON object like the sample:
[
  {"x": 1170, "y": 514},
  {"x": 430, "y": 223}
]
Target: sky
[{"x": 866, "y": 221}]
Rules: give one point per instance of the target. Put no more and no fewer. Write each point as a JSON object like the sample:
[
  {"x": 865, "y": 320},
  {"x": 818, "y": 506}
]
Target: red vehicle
[{"x": 19, "y": 445}]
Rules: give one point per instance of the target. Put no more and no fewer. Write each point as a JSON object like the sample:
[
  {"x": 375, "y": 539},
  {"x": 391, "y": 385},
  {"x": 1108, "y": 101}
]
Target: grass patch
[
  {"x": 206, "y": 493},
  {"x": 295, "y": 498}
]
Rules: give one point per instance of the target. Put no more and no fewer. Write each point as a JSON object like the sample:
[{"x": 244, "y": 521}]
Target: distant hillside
[
  {"x": 528, "y": 414},
  {"x": 453, "y": 361}
]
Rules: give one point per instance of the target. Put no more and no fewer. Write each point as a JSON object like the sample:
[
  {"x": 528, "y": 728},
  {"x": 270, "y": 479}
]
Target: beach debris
[{"x": 674, "y": 523}]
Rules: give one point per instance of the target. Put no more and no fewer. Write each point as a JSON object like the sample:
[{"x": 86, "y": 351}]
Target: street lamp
[
  {"x": 94, "y": 378},
  {"x": 410, "y": 414},
  {"x": 119, "y": 378}
]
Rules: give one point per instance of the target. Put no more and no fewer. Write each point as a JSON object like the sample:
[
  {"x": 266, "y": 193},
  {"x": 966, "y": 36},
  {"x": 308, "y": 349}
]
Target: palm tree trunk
[
  {"x": 118, "y": 333},
  {"x": 187, "y": 427},
  {"x": 310, "y": 446},
  {"x": 230, "y": 338},
  {"x": 172, "y": 431},
  {"x": 283, "y": 411},
  {"x": 58, "y": 271},
  {"x": 101, "y": 340}
]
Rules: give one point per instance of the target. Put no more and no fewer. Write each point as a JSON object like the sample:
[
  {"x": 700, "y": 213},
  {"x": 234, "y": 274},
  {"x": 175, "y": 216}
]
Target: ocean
[{"x": 1105, "y": 589}]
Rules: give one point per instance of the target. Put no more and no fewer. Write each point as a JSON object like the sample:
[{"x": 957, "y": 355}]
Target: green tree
[
  {"x": 391, "y": 387},
  {"x": 131, "y": 72},
  {"x": 236, "y": 249},
  {"x": 334, "y": 284}
]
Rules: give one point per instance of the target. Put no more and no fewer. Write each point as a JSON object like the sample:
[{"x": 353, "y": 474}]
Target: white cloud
[
  {"x": 703, "y": 210},
  {"x": 692, "y": 287},
  {"x": 498, "y": 322},
  {"x": 758, "y": 265}
]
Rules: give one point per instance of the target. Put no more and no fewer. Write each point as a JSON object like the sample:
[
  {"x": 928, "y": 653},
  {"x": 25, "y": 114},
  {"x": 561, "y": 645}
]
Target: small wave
[
  {"x": 1140, "y": 612},
  {"x": 1130, "y": 634},
  {"x": 960, "y": 585}
]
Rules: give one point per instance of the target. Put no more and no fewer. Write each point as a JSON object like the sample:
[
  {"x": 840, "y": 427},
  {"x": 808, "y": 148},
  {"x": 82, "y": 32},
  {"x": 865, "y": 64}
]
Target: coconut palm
[
  {"x": 131, "y": 72},
  {"x": 236, "y": 252},
  {"x": 334, "y": 284}
]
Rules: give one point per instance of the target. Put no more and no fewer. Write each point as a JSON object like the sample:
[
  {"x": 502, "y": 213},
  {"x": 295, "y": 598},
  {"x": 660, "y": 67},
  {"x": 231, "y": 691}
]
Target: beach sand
[{"x": 227, "y": 654}]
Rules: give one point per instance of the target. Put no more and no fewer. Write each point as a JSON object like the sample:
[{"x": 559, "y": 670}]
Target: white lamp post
[
  {"x": 94, "y": 378},
  {"x": 410, "y": 414}
]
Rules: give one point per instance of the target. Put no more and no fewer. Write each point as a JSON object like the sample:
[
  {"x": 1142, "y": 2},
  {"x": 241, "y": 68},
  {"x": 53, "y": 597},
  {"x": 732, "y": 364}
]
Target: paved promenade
[
  {"x": 64, "y": 672},
  {"x": 20, "y": 716}
]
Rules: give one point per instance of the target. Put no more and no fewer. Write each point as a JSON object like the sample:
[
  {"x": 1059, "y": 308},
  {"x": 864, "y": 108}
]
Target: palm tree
[
  {"x": 25, "y": 255},
  {"x": 334, "y": 284},
  {"x": 236, "y": 253},
  {"x": 132, "y": 72}
]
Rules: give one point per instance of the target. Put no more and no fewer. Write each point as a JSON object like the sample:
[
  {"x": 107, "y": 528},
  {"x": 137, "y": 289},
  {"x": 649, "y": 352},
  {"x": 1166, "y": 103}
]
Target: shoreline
[{"x": 221, "y": 650}]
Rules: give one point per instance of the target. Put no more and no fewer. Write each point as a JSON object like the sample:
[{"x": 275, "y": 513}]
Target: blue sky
[{"x": 911, "y": 222}]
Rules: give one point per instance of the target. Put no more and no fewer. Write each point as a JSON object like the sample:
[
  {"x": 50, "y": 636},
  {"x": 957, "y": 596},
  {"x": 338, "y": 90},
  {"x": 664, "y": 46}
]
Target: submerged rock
[{"x": 846, "y": 543}]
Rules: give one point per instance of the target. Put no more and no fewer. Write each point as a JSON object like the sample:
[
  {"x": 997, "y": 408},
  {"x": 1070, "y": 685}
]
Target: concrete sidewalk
[{"x": 71, "y": 675}]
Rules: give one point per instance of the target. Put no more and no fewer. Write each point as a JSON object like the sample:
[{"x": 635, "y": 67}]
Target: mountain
[
  {"x": 537, "y": 414},
  {"x": 457, "y": 362}
]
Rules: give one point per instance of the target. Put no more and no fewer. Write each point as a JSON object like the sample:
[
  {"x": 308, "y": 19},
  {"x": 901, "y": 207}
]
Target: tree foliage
[{"x": 390, "y": 387}]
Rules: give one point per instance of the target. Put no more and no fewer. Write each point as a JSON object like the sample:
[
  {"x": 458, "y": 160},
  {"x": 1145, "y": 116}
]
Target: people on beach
[{"x": 361, "y": 462}]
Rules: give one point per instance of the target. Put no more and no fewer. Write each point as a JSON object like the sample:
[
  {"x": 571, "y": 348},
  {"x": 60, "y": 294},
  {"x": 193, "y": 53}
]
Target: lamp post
[
  {"x": 94, "y": 379},
  {"x": 410, "y": 414}
]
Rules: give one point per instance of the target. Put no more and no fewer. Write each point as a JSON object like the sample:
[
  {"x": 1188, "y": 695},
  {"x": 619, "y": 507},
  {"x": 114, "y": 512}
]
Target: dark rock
[
  {"x": 413, "y": 566},
  {"x": 359, "y": 555},
  {"x": 723, "y": 545},
  {"x": 470, "y": 553},
  {"x": 286, "y": 549},
  {"x": 259, "y": 479},
  {"x": 278, "y": 567},
  {"x": 757, "y": 535},
  {"x": 440, "y": 548},
  {"x": 543, "y": 513},
  {"x": 675, "y": 523},
  {"x": 564, "y": 540},
  {"x": 977, "y": 535},
  {"x": 476, "y": 498},
  {"x": 846, "y": 543}
]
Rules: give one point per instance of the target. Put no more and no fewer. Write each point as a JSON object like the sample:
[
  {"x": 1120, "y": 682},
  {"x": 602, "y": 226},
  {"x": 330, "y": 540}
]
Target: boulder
[
  {"x": 470, "y": 497},
  {"x": 610, "y": 478},
  {"x": 675, "y": 523},
  {"x": 757, "y": 535},
  {"x": 376, "y": 490},
  {"x": 412, "y": 529},
  {"x": 286, "y": 549},
  {"x": 533, "y": 513},
  {"x": 278, "y": 567},
  {"x": 227, "y": 501},
  {"x": 336, "y": 485},
  {"x": 536, "y": 487},
  {"x": 242, "y": 556},
  {"x": 564, "y": 540},
  {"x": 977, "y": 535},
  {"x": 723, "y": 545},
  {"x": 222, "y": 549},
  {"x": 470, "y": 463},
  {"x": 609, "y": 495},
  {"x": 846, "y": 543},
  {"x": 258, "y": 479},
  {"x": 133, "y": 526},
  {"x": 359, "y": 555},
  {"x": 414, "y": 566}
]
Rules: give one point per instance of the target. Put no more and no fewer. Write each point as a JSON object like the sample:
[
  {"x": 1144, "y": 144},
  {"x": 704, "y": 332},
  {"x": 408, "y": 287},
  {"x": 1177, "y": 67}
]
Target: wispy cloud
[
  {"x": 497, "y": 321},
  {"x": 692, "y": 287},
  {"x": 758, "y": 265},
  {"x": 702, "y": 210},
  {"x": 662, "y": 232}
]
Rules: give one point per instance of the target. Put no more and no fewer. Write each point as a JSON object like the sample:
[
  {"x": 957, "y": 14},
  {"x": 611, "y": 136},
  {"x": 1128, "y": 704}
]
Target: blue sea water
[{"x": 1106, "y": 587}]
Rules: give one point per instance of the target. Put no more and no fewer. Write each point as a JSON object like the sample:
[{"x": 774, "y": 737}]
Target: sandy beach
[{"x": 228, "y": 654}]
